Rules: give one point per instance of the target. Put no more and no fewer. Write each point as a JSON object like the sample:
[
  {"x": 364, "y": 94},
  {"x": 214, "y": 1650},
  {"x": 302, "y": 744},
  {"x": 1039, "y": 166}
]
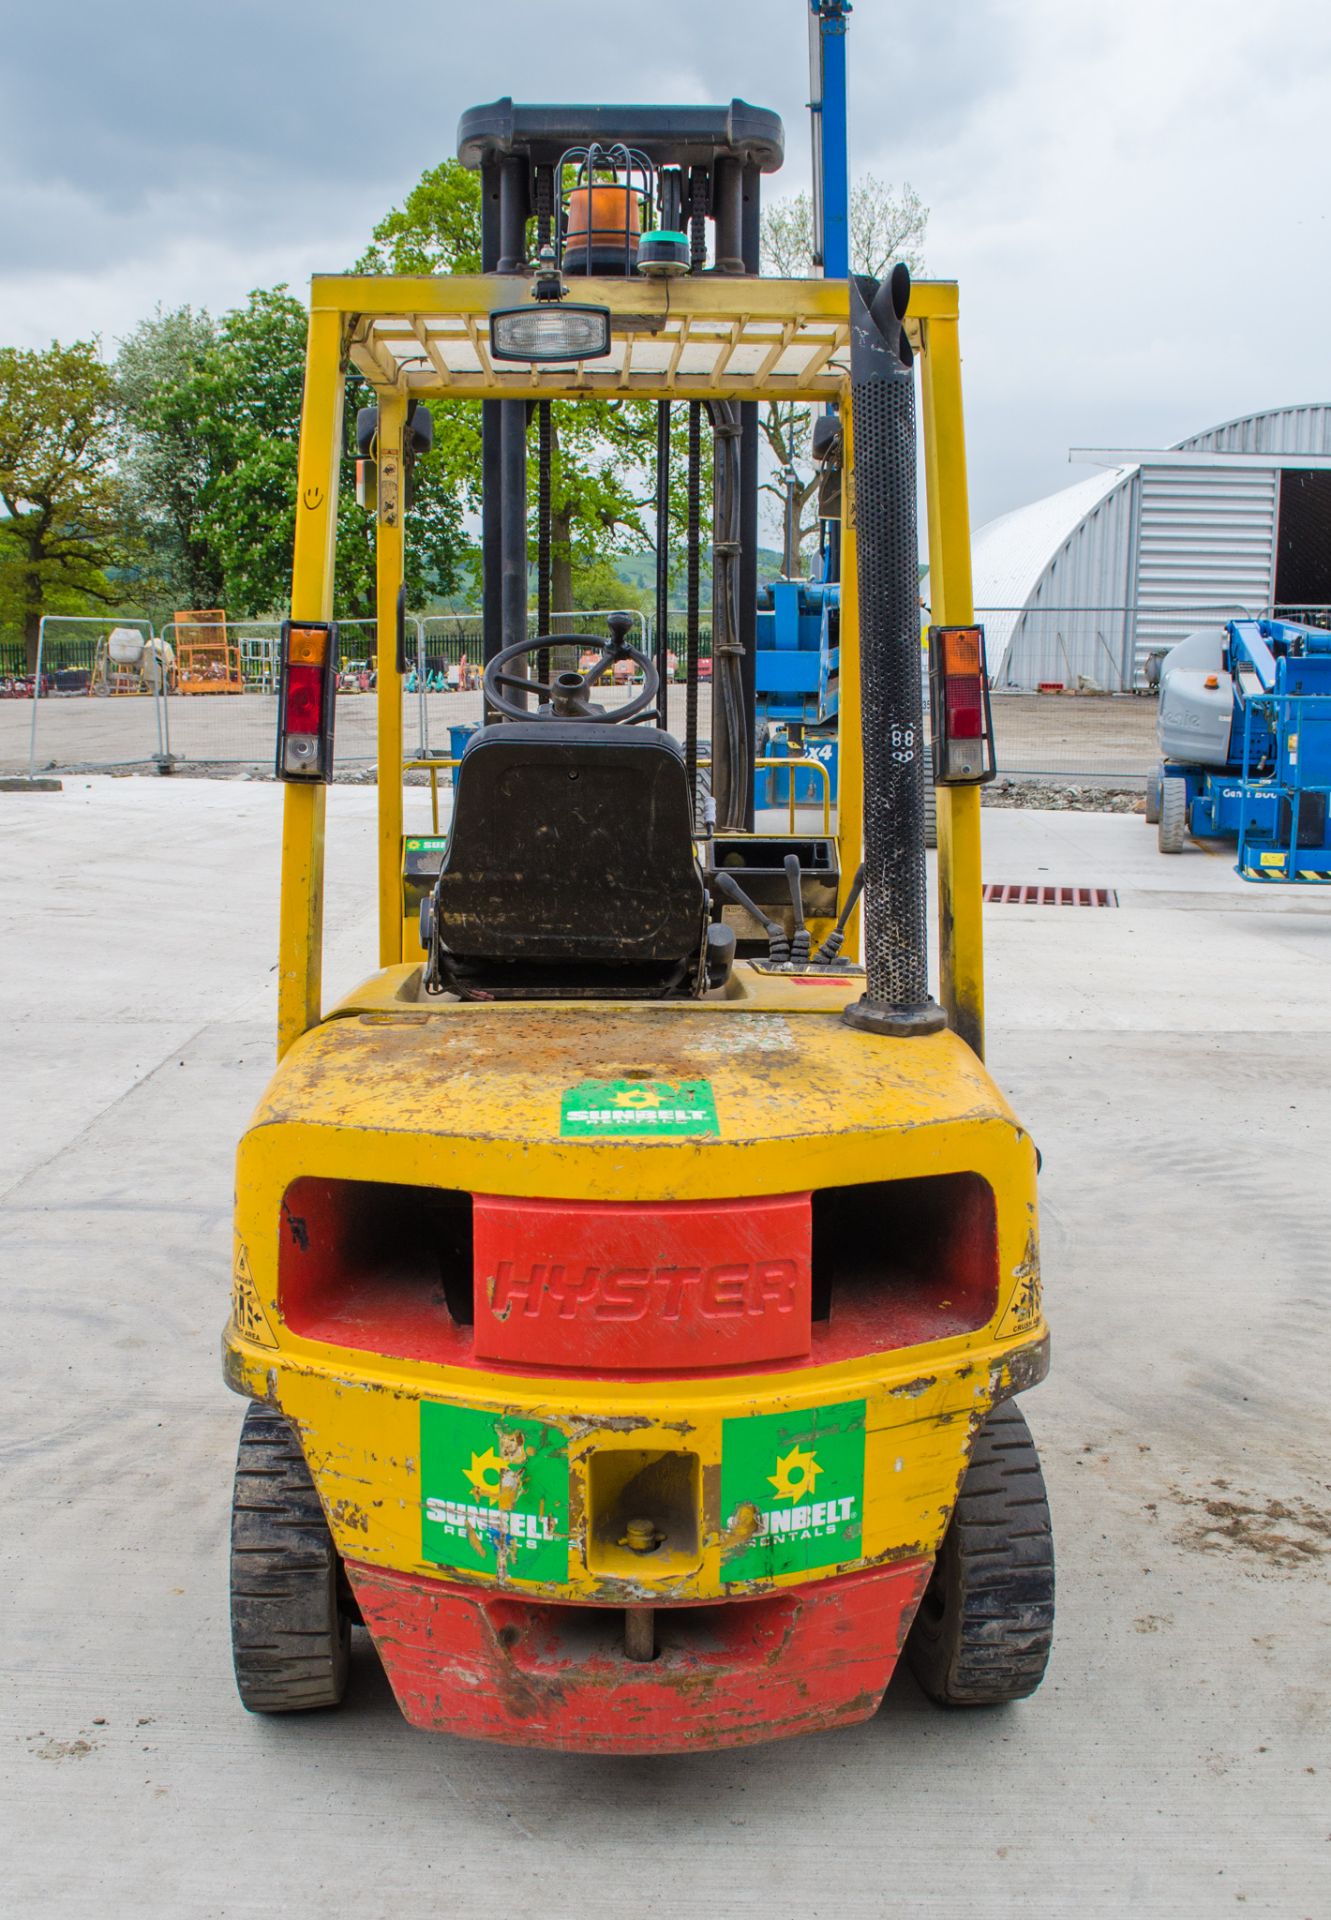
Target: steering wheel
[{"x": 566, "y": 696}]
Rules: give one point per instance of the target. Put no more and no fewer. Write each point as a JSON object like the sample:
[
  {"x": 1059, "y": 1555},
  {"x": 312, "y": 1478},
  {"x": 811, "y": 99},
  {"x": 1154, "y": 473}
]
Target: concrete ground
[{"x": 1172, "y": 1057}]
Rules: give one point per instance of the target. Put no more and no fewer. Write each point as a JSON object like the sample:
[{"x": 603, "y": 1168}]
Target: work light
[{"x": 550, "y": 332}]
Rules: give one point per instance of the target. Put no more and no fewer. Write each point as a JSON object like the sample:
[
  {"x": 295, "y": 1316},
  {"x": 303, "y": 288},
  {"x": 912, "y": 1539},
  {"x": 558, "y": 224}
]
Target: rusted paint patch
[
  {"x": 1017, "y": 1371},
  {"x": 912, "y": 1389},
  {"x": 297, "y": 1227},
  {"x": 745, "y": 1525},
  {"x": 345, "y": 1513}
]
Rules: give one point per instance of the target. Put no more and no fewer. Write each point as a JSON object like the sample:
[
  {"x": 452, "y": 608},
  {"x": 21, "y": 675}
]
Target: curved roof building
[{"x": 1079, "y": 588}]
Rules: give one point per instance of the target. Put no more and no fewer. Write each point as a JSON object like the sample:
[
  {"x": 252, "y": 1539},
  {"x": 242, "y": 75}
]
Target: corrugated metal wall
[
  {"x": 1188, "y": 545},
  {"x": 1204, "y": 548},
  {"x": 1089, "y": 573},
  {"x": 1282, "y": 430}
]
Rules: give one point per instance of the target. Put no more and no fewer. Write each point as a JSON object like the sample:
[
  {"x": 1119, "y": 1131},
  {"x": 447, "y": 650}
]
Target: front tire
[
  {"x": 1173, "y": 828},
  {"x": 986, "y": 1622},
  {"x": 290, "y": 1639},
  {"x": 1154, "y": 781}
]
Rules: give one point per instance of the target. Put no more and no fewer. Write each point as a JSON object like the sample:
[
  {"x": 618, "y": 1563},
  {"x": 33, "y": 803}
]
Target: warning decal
[{"x": 251, "y": 1320}]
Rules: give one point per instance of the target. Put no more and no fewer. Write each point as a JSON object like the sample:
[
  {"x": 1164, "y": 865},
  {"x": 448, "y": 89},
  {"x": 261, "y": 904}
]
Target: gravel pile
[{"x": 1051, "y": 796}]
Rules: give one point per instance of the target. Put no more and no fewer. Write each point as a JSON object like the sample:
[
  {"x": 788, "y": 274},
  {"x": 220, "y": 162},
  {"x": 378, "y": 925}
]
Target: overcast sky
[{"x": 1134, "y": 198}]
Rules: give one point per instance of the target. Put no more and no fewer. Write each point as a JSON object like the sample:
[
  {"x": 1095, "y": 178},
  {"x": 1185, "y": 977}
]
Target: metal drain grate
[{"x": 1006, "y": 895}]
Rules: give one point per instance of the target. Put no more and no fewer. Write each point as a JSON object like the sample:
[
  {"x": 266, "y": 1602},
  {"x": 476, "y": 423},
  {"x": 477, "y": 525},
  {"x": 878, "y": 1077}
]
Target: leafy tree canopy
[
  {"x": 220, "y": 423},
  {"x": 437, "y": 229},
  {"x": 164, "y": 456},
  {"x": 58, "y": 486}
]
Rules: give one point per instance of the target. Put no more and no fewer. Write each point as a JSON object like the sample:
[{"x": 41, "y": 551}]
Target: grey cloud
[{"x": 131, "y": 127}]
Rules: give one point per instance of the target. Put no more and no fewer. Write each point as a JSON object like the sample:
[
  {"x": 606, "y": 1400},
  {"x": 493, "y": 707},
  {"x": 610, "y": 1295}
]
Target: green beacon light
[{"x": 663, "y": 254}]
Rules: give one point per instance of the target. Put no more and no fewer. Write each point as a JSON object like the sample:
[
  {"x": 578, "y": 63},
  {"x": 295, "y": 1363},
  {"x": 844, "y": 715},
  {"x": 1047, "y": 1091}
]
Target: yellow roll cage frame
[{"x": 705, "y": 337}]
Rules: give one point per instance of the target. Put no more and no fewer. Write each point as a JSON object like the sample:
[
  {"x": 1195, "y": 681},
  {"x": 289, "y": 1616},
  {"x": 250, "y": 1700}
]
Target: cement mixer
[{"x": 130, "y": 661}]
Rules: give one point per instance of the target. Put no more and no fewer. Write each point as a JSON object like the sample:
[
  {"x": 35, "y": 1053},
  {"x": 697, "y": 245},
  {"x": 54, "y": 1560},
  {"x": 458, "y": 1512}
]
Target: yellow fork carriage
[{"x": 631, "y": 1283}]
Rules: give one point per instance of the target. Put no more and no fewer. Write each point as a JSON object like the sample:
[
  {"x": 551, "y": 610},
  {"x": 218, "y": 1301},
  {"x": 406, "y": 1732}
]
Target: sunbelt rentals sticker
[
  {"x": 495, "y": 1494},
  {"x": 643, "y": 1109},
  {"x": 792, "y": 1491}
]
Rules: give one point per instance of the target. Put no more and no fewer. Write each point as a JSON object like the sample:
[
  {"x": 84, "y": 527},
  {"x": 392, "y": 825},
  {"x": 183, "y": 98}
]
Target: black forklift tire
[
  {"x": 986, "y": 1623},
  {"x": 1154, "y": 781},
  {"x": 290, "y": 1637},
  {"x": 1173, "y": 828},
  {"x": 930, "y": 814}
]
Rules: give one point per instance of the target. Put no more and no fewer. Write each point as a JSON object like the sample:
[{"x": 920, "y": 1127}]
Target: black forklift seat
[{"x": 570, "y": 866}]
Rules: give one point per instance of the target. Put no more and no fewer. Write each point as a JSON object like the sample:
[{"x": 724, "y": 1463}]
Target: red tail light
[
  {"x": 959, "y": 704},
  {"x": 306, "y": 697}
]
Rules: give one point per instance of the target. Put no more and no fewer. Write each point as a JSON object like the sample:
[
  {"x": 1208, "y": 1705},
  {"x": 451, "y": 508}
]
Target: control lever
[
  {"x": 831, "y": 947},
  {"x": 619, "y": 625},
  {"x": 799, "y": 945},
  {"x": 778, "y": 947}
]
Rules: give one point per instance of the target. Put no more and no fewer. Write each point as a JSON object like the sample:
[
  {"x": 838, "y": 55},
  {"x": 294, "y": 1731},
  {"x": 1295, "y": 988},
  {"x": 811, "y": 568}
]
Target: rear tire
[
  {"x": 930, "y": 813},
  {"x": 1154, "y": 782},
  {"x": 986, "y": 1622},
  {"x": 1173, "y": 828},
  {"x": 290, "y": 1639}
]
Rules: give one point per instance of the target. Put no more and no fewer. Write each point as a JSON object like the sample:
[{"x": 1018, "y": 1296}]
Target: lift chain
[{"x": 544, "y": 445}]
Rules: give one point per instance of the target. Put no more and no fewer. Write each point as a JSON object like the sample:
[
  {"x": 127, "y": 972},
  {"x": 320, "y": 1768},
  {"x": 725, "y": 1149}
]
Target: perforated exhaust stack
[{"x": 896, "y": 1001}]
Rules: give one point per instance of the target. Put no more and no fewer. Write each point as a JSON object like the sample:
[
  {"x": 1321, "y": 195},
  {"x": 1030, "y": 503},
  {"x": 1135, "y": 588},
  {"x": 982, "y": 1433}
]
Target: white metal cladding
[
  {"x": 1205, "y": 547},
  {"x": 1074, "y": 630},
  {"x": 1011, "y": 555},
  {"x": 1281, "y": 430}
]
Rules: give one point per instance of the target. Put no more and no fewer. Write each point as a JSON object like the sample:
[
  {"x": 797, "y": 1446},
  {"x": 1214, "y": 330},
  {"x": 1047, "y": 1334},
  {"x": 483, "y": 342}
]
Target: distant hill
[
  {"x": 636, "y": 570},
  {"x": 639, "y": 570}
]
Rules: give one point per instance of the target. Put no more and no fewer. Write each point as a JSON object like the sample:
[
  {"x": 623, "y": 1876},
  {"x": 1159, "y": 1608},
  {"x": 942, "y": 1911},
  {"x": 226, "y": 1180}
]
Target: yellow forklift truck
[{"x": 632, "y": 1284}]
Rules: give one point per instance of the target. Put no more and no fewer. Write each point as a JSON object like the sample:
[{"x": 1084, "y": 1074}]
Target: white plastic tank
[{"x": 125, "y": 646}]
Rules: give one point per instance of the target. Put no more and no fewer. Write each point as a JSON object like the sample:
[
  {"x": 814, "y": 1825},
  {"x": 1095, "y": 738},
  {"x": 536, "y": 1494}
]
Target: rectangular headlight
[{"x": 550, "y": 332}]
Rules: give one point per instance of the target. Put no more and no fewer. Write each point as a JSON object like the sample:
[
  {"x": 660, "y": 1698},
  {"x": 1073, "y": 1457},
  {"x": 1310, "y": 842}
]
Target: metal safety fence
[
  {"x": 195, "y": 696},
  {"x": 115, "y": 694}
]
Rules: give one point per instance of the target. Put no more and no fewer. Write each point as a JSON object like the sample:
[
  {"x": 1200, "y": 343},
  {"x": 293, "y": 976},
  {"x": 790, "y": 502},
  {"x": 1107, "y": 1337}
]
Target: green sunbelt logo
[
  {"x": 494, "y": 1494},
  {"x": 792, "y": 1491},
  {"x": 649, "y": 1109}
]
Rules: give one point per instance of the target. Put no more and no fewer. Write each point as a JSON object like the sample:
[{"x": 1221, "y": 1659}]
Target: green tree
[
  {"x": 437, "y": 229},
  {"x": 598, "y": 586},
  {"x": 58, "y": 484},
  {"x": 166, "y": 456},
  {"x": 244, "y": 401},
  {"x": 885, "y": 226}
]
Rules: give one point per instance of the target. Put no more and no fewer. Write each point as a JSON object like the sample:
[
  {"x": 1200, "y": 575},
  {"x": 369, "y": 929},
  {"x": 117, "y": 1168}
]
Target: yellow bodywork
[
  {"x": 398, "y": 1090},
  {"x": 424, "y": 338}
]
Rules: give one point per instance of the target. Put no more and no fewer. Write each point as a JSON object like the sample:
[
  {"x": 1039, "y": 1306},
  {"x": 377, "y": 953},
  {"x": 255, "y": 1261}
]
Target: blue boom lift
[{"x": 1245, "y": 737}]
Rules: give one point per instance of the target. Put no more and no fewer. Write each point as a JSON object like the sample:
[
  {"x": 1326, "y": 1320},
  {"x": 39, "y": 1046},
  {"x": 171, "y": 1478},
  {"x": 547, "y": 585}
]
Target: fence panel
[
  {"x": 95, "y": 698},
  {"x": 86, "y": 709}
]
